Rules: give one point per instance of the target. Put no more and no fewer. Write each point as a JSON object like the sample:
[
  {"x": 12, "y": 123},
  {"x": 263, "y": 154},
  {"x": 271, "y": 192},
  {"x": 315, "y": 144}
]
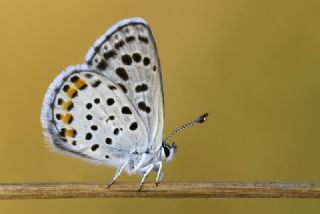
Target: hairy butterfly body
[{"x": 110, "y": 109}]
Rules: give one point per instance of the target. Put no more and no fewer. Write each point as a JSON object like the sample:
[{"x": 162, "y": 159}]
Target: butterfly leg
[
  {"x": 145, "y": 175},
  {"x": 118, "y": 173},
  {"x": 159, "y": 174}
]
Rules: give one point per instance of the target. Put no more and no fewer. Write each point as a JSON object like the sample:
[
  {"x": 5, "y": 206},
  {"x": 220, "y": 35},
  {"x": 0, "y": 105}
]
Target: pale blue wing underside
[
  {"x": 86, "y": 114},
  {"x": 127, "y": 54},
  {"x": 125, "y": 63}
]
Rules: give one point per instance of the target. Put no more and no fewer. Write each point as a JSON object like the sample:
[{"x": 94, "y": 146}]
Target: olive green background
[{"x": 253, "y": 65}]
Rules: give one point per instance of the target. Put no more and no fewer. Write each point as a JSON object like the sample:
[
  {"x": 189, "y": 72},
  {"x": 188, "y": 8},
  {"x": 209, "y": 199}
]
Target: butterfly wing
[
  {"x": 87, "y": 114},
  {"x": 127, "y": 55}
]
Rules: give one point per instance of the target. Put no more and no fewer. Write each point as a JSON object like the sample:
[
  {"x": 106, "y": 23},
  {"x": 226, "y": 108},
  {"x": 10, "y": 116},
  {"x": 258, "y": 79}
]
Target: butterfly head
[{"x": 168, "y": 152}]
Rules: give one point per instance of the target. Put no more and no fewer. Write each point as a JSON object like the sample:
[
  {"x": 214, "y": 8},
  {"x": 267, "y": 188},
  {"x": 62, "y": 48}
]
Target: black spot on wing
[
  {"x": 126, "y": 59},
  {"x": 119, "y": 44},
  {"x": 70, "y": 119},
  {"x": 60, "y": 101},
  {"x": 88, "y": 136},
  {"x": 121, "y": 72},
  {"x": 112, "y": 87},
  {"x": 74, "y": 79},
  {"x": 89, "y": 117},
  {"x": 141, "y": 88},
  {"x": 109, "y": 54},
  {"x": 108, "y": 140},
  {"x": 124, "y": 89},
  {"x": 136, "y": 57},
  {"x": 110, "y": 101},
  {"x": 65, "y": 88},
  {"x": 146, "y": 61},
  {"x": 70, "y": 107},
  {"x": 142, "y": 106},
  {"x": 130, "y": 39},
  {"x": 94, "y": 147},
  {"x": 62, "y": 132},
  {"x": 126, "y": 110},
  {"x": 116, "y": 131},
  {"x": 89, "y": 105},
  {"x": 96, "y": 100},
  {"x": 133, "y": 126},
  {"x": 94, "y": 128},
  {"x": 96, "y": 83},
  {"x": 88, "y": 75},
  {"x": 143, "y": 39},
  {"x": 102, "y": 65}
]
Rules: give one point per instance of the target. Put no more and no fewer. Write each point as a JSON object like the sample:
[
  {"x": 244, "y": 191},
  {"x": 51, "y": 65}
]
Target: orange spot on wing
[
  {"x": 72, "y": 92},
  {"x": 67, "y": 118},
  {"x": 80, "y": 84},
  {"x": 67, "y": 105},
  {"x": 70, "y": 133}
]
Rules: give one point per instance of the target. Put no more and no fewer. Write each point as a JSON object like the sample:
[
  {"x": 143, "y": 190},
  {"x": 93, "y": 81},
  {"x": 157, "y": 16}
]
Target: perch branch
[{"x": 165, "y": 190}]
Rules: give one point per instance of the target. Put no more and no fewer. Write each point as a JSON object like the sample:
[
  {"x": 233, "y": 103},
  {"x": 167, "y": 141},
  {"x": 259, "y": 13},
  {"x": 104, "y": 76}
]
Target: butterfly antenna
[{"x": 203, "y": 118}]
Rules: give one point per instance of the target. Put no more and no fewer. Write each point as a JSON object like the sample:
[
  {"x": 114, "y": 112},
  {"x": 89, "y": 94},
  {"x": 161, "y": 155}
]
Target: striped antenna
[{"x": 203, "y": 118}]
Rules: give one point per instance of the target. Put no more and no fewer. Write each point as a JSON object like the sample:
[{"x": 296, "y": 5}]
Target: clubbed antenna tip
[{"x": 203, "y": 118}]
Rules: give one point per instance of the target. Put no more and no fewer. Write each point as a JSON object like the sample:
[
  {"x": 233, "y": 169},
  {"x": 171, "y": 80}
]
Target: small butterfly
[{"x": 110, "y": 110}]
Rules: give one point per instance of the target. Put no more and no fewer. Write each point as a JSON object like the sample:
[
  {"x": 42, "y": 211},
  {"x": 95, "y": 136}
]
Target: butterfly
[{"x": 110, "y": 110}]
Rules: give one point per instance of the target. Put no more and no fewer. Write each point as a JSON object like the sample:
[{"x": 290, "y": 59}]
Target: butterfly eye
[{"x": 166, "y": 151}]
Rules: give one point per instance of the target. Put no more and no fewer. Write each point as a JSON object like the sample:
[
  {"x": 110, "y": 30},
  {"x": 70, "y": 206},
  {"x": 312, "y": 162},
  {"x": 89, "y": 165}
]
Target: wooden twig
[{"x": 164, "y": 190}]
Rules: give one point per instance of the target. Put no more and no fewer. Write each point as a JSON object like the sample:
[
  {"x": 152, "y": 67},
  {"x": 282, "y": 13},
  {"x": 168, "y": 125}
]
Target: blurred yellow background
[{"x": 253, "y": 65}]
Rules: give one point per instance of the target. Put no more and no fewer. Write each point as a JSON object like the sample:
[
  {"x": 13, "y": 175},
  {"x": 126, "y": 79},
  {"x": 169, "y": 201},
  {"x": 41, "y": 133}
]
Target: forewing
[
  {"x": 87, "y": 114},
  {"x": 127, "y": 55}
]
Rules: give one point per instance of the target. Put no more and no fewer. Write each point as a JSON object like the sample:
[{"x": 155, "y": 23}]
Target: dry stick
[{"x": 164, "y": 190}]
